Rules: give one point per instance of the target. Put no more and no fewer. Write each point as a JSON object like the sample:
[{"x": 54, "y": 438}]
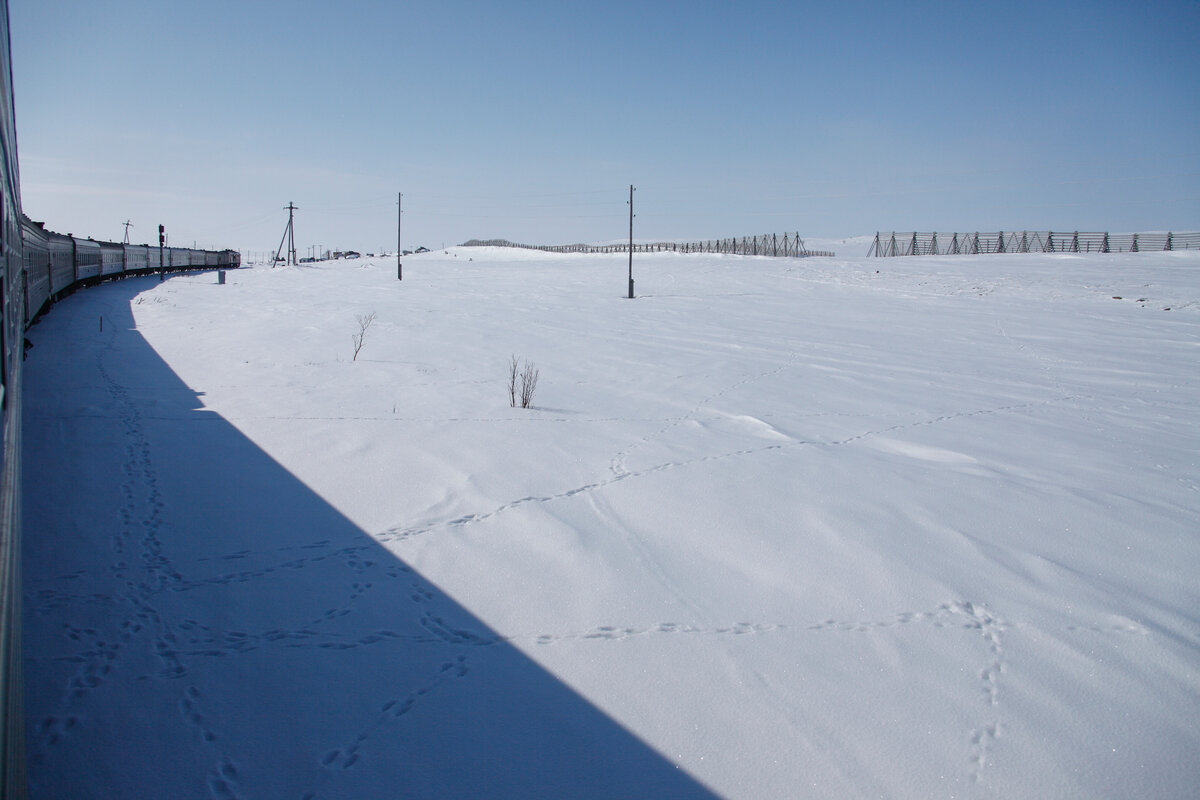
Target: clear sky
[{"x": 529, "y": 120}]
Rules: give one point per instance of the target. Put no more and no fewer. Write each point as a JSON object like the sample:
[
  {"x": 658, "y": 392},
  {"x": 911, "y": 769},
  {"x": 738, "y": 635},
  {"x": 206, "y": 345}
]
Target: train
[{"x": 55, "y": 264}]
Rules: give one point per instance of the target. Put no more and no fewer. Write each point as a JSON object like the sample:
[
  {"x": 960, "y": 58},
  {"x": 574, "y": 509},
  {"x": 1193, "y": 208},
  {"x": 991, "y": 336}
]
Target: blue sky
[{"x": 529, "y": 120}]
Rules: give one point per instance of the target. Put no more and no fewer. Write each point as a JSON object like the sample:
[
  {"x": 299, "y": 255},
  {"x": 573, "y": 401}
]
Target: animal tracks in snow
[
  {"x": 959, "y": 615},
  {"x": 766, "y": 438},
  {"x": 52, "y": 730},
  {"x": 400, "y": 534},
  {"x": 614, "y": 633},
  {"x": 222, "y": 781},
  {"x": 963, "y": 614},
  {"x": 392, "y": 710},
  {"x": 189, "y": 709}
]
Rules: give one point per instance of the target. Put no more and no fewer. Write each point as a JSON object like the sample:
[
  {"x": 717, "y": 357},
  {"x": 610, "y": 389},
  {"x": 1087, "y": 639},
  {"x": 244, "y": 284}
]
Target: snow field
[{"x": 828, "y": 527}]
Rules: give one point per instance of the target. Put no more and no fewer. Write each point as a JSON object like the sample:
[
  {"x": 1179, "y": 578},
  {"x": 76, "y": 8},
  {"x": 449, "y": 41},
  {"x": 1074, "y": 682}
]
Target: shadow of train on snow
[{"x": 195, "y": 616}]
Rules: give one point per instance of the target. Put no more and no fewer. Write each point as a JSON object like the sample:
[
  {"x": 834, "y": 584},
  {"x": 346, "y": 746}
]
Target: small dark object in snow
[
  {"x": 1141, "y": 299},
  {"x": 1116, "y": 297}
]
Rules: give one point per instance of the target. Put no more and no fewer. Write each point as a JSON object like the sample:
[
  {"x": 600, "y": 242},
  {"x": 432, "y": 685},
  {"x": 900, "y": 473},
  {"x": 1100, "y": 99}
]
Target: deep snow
[{"x": 919, "y": 527}]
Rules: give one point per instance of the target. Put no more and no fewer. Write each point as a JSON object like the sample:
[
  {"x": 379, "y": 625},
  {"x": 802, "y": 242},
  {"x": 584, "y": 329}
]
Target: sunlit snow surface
[{"x": 776, "y": 528}]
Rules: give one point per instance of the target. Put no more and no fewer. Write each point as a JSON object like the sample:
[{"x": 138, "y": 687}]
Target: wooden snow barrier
[
  {"x": 787, "y": 245},
  {"x": 935, "y": 244}
]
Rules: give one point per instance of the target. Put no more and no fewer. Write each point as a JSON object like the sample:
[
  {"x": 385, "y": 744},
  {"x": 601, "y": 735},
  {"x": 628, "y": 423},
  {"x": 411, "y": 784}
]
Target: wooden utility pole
[
  {"x": 631, "y": 241},
  {"x": 128, "y": 225},
  {"x": 399, "y": 212},
  {"x": 291, "y": 234}
]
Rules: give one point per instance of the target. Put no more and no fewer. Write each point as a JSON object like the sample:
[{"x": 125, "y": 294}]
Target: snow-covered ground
[{"x": 920, "y": 527}]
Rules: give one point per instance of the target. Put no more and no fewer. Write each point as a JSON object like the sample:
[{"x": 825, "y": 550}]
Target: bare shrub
[
  {"x": 522, "y": 381},
  {"x": 529, "y": 378},
  {"x": 364, "y": 322},
  {"x": 513, "y": 369}
]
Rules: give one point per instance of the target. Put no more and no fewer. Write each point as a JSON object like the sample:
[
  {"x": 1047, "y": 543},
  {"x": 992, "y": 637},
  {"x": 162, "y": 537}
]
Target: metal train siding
[{"x": 12, "y": 329}]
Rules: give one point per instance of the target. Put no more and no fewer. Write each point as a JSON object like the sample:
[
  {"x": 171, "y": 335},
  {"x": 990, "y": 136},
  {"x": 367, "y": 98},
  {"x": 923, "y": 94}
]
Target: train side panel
[
  {"x": 62, "y": 262},
  {"x": 137, "y": 257},
  {"x": 36, "y": 266},
  {"x": 112, "y": 258},
  {"x": 87, "y": 259}
]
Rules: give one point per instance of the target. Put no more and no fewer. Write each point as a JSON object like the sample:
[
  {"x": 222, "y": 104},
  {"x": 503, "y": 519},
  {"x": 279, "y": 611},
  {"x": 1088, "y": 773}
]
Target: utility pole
[
  {"x": 128, "y": 225},
  {"x": 289, "y": 236},
  {"x": 399, "y": 213},
  {"x": 631, "y": 241}
]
